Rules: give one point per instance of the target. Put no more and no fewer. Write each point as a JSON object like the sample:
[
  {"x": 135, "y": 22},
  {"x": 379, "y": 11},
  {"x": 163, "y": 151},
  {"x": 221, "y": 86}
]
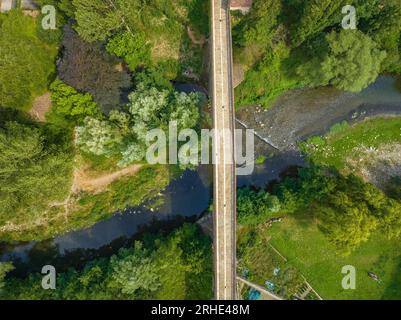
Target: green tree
[
  {"x": 134, "y": 270},
  {"x": 352, "y": 62},
  {"x": 71, "y": 104},
  {"x": 98, "y": 137},
  {"x": 96, "y": 19},
  {"x": 5, "y": 267},
  {"x": 317, "y": 15},
  {"x": 346, "y": 224},
  {"x": 34, "y": 171},
  {"x": 385, "y": 28},
  {"x": 133, "y": 48},
  {"x": 176, "y": 266}
]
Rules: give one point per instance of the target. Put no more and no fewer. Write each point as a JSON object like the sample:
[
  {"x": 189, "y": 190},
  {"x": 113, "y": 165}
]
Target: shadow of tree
[{"x": 393, "y": 290}]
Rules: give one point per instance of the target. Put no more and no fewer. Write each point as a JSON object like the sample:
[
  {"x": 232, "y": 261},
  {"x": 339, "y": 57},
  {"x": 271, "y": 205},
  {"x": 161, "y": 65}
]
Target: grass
[
  {"x": 343, "y": 140},
  {"x": 257, "y": 262},
  {"x": 33, "y": 60},
  {"x": 307, "y": 249},
  {"x": 260, "y": 160},
  {"x": 299, "y": 239},
  {"x": 87, "y": 209},
  {"x": 173, "y": 53}
]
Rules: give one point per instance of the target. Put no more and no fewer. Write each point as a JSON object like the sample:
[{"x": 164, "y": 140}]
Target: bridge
[{"x": 224, "y": 215}]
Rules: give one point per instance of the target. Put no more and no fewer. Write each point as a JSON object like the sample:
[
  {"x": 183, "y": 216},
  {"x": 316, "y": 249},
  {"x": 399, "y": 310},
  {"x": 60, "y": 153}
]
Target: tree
[
  {"x": 345, "y": 223},
  {"x": 385, "y": 29},
  {"x": 96, "y": 19},
  {"x": 133, "y": 48},
  {"x": 134, "y": 270},
  {"x": 5, "y": 267},
  {"x": 35, "y": 170},
  {"x": 317, "y": 15},
  {"x": 256, "y": 207},
  {"x": 71, "y": 104},
  {"x": 87, "y": 68},
  {"x": 351, "y": 63},
  {"x": 98, "y": 137},
  {"x": 176, "y": 266},
  {"x": 124, "y": 132},
  {"x": 390, "y": 220},
  {"x": 260, "y": 25}
]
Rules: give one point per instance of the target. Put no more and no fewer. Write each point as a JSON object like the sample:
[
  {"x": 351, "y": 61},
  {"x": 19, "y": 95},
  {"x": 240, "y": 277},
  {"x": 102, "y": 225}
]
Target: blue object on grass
[
  {"x": 269, "y": 285},
  {"x": 254, "y": 295}
]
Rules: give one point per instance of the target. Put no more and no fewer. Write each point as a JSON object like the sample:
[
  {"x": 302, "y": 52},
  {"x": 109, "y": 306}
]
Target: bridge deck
[{"x": 224, "y": 168}]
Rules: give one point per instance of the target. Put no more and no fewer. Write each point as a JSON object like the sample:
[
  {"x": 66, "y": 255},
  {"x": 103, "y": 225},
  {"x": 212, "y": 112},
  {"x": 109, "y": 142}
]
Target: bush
[{"x": 70, "y": 104}]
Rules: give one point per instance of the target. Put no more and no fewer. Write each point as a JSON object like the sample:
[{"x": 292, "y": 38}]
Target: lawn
[
  {"x": 308, "y": 250},
  {"x": 343, "y": 140}
]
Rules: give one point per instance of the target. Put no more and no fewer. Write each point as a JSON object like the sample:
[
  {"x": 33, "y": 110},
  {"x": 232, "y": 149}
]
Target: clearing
[
  {"x": 85, "y": 181},
  {"x": 308, "y": 250},
  {"x": 40, "y": 106}
]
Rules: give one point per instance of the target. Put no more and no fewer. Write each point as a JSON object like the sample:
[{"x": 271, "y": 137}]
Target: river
[{"x": 295, "y": 116}]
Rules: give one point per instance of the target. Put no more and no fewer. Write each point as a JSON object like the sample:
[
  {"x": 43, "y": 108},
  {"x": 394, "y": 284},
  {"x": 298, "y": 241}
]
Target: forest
[
  {"x": 287, "y": 44},
  {"x": 97, "y": 84}
]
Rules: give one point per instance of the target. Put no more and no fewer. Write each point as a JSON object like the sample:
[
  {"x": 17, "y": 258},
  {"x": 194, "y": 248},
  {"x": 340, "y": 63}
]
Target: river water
[{"x": 295, "y": 116}]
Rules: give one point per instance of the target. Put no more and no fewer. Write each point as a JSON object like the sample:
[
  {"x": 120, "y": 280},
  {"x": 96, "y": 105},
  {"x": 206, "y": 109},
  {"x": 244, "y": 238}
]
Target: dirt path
[
  {"x": 84, "y": 182},
  {"x": 41, "y": 105},
  {"x": 194, "y": 40}
]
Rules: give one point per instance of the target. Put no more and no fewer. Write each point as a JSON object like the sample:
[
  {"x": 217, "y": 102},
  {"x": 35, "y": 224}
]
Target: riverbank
[
  {"x": 300, "y": 114},
  {"x": 189, "y": 195}
]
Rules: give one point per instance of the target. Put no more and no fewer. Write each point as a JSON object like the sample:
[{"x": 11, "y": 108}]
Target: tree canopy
[
  {"x": 353, "y": 61},
  {"x": 35, "y": 170},
  {"x": 87, "y": 68},
  {"x": 179, "y": 266}
]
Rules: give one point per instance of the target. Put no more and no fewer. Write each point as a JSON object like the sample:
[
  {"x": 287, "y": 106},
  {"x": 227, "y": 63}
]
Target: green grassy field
[
  {"x": 308, "y": 250},
  {"x": 299, "y": 239},
  {"x": 342, "y": 140}
]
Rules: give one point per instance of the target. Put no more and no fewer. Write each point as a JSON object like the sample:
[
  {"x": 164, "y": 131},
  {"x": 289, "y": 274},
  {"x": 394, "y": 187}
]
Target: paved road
[{"x": 224, "y": 168}]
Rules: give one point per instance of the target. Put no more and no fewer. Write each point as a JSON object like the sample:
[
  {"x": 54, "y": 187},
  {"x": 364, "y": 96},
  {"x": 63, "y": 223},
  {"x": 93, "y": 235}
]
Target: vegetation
[
  {"x": 83, "y": 209},
  {"x": 133, "y": 48},
  {"x": 177, "y": 266},
  {"x": 327, "y": 221},
  {"x": 307, "y": 249},
  {"x": 25, "y": 59},
  {"x": 285, "y": 44},
  {"x": 352, "y": 62},
  {"x": 348, "y": 210},
  {"x": 344, "y": 141},
  {"x": 124, "y": 133},
  {"x": 154, "y": 33},
  {"x": 86, "y": 67},
  {"x": 5, "y": 267},
  {"x": 258, "y": 262},
  {"x": 36, "y": 170},
  {"x": 68, "y": 105},
  {"x": 95, "y": 100}
]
